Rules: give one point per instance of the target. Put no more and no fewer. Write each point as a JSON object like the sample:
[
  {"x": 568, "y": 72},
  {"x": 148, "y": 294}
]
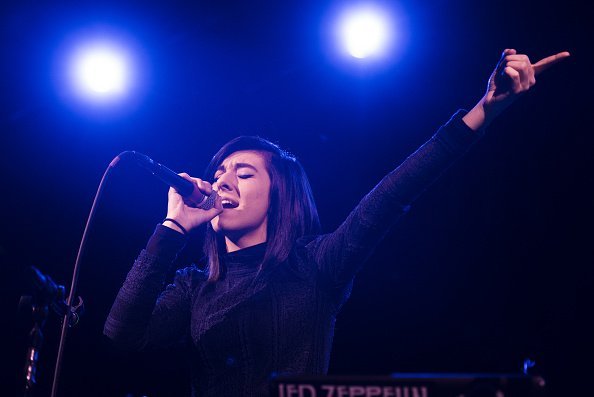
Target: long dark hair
[{"x": 292, "y": 212}]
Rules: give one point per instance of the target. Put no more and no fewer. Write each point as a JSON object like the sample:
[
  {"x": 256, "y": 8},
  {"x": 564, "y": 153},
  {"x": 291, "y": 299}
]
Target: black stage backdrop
[{"x": 493, "y": 265}]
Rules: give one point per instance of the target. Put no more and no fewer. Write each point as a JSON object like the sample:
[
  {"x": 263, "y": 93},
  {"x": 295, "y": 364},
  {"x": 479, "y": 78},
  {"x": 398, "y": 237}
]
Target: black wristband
[{"x": 176, "y": 223}]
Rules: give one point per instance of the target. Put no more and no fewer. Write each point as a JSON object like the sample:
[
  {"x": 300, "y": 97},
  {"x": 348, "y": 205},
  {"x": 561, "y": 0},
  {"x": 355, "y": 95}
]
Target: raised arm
[{"x": 340, "y": 254}]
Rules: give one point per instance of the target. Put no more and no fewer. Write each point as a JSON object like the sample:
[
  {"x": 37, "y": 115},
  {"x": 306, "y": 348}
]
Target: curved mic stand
[
  {"x": 68, "y": 315},
  {"x": 71, "y": 315}
]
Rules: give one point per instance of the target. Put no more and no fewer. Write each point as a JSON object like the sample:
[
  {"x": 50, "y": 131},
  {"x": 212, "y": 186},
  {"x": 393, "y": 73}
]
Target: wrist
[
  {"x": 165, "y": 243},
  {"x": 480, "y": 116},
  {"x": 174, "y": 225}
]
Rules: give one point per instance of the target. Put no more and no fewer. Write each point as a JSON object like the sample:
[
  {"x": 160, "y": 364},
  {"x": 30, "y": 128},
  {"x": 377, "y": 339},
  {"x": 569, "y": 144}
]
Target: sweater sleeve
[
  {"x": 340, "y": 254},
  {"x": 145, "y": 312}
]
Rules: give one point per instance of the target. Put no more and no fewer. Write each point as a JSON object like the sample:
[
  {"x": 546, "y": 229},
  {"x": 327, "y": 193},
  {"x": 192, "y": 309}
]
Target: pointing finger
[{"x": 547, "y": 62}]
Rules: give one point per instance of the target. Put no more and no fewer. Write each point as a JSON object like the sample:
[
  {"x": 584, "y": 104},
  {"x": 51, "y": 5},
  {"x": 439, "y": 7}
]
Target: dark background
[{"x": 493, "y": 264}]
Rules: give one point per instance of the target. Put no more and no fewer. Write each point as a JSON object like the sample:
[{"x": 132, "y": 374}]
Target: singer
[{"x": 266, "y": 299}]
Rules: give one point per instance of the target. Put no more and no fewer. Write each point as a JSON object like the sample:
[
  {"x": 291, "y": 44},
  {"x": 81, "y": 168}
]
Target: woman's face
[{"x": 243, "y": 183}]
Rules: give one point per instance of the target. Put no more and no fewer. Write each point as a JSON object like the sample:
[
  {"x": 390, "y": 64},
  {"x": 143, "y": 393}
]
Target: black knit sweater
[{"x": 250, "y": 325}]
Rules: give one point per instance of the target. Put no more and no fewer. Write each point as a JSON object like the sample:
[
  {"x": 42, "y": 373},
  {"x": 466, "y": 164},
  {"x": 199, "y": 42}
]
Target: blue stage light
[
  {"x": 365, "y": 31},
  {"x": 100, "y": 71}
]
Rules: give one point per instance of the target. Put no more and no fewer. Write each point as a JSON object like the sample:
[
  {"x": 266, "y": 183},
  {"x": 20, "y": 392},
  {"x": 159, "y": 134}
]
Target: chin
[{"x": 220, "y": 226}]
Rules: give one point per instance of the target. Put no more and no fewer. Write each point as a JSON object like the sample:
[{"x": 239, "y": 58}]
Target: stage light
[
  {"x": 365, "y": 31},
  {"x": 100, "y": 70}
]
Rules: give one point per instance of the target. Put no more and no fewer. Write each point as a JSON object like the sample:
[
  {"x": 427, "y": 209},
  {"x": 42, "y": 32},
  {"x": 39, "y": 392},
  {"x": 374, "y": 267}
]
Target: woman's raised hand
[{"x": 513, "y": 75}]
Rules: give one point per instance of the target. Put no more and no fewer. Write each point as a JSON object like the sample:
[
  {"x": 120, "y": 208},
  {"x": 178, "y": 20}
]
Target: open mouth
[{"x": 226, "y": 203}]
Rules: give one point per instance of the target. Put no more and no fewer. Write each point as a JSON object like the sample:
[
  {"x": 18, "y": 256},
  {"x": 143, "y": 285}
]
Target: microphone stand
[
  {"x": 68, "y": 314},
  {"x": 71, "y": 313},
  {"x": 40, "y": 311},
  {"x": 47, "y": 294}
]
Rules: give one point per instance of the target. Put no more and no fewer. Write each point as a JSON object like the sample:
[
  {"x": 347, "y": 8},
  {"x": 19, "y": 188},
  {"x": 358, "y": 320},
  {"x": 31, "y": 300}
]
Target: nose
[{"x": 223, "y": 183}]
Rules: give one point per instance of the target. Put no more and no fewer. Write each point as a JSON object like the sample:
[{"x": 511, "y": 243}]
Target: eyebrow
[{"x": 237, "y": 166}]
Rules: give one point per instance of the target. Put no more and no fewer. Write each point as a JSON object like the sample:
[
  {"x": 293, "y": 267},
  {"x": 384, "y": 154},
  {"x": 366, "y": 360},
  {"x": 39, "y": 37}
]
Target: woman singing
[{"x": 267, "y": 297}]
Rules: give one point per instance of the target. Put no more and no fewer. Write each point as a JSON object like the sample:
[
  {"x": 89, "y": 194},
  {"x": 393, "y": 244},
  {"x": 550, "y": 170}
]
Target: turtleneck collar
[{"x": 246, "y": 259}]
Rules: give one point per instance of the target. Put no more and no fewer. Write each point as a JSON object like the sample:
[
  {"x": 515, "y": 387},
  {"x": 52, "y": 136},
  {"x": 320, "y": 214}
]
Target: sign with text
[{"x": 409, "y": 385}]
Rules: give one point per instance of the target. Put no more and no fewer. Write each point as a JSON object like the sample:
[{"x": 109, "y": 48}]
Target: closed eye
[{"x": 247, "y": 176}]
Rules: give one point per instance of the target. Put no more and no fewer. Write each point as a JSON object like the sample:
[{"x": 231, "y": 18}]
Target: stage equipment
[
  {"x": 410, "y": 385},
  {"x": 163, "y": 173},
  {"x": 184, "y": 187},
  {"x": 365, "y": 30},
  {"x": 47, "y": 294},
  {"x": 100, "y": 70}
]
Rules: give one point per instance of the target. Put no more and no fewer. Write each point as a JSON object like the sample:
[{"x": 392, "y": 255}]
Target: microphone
[{"x": 184, "y": 187}]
